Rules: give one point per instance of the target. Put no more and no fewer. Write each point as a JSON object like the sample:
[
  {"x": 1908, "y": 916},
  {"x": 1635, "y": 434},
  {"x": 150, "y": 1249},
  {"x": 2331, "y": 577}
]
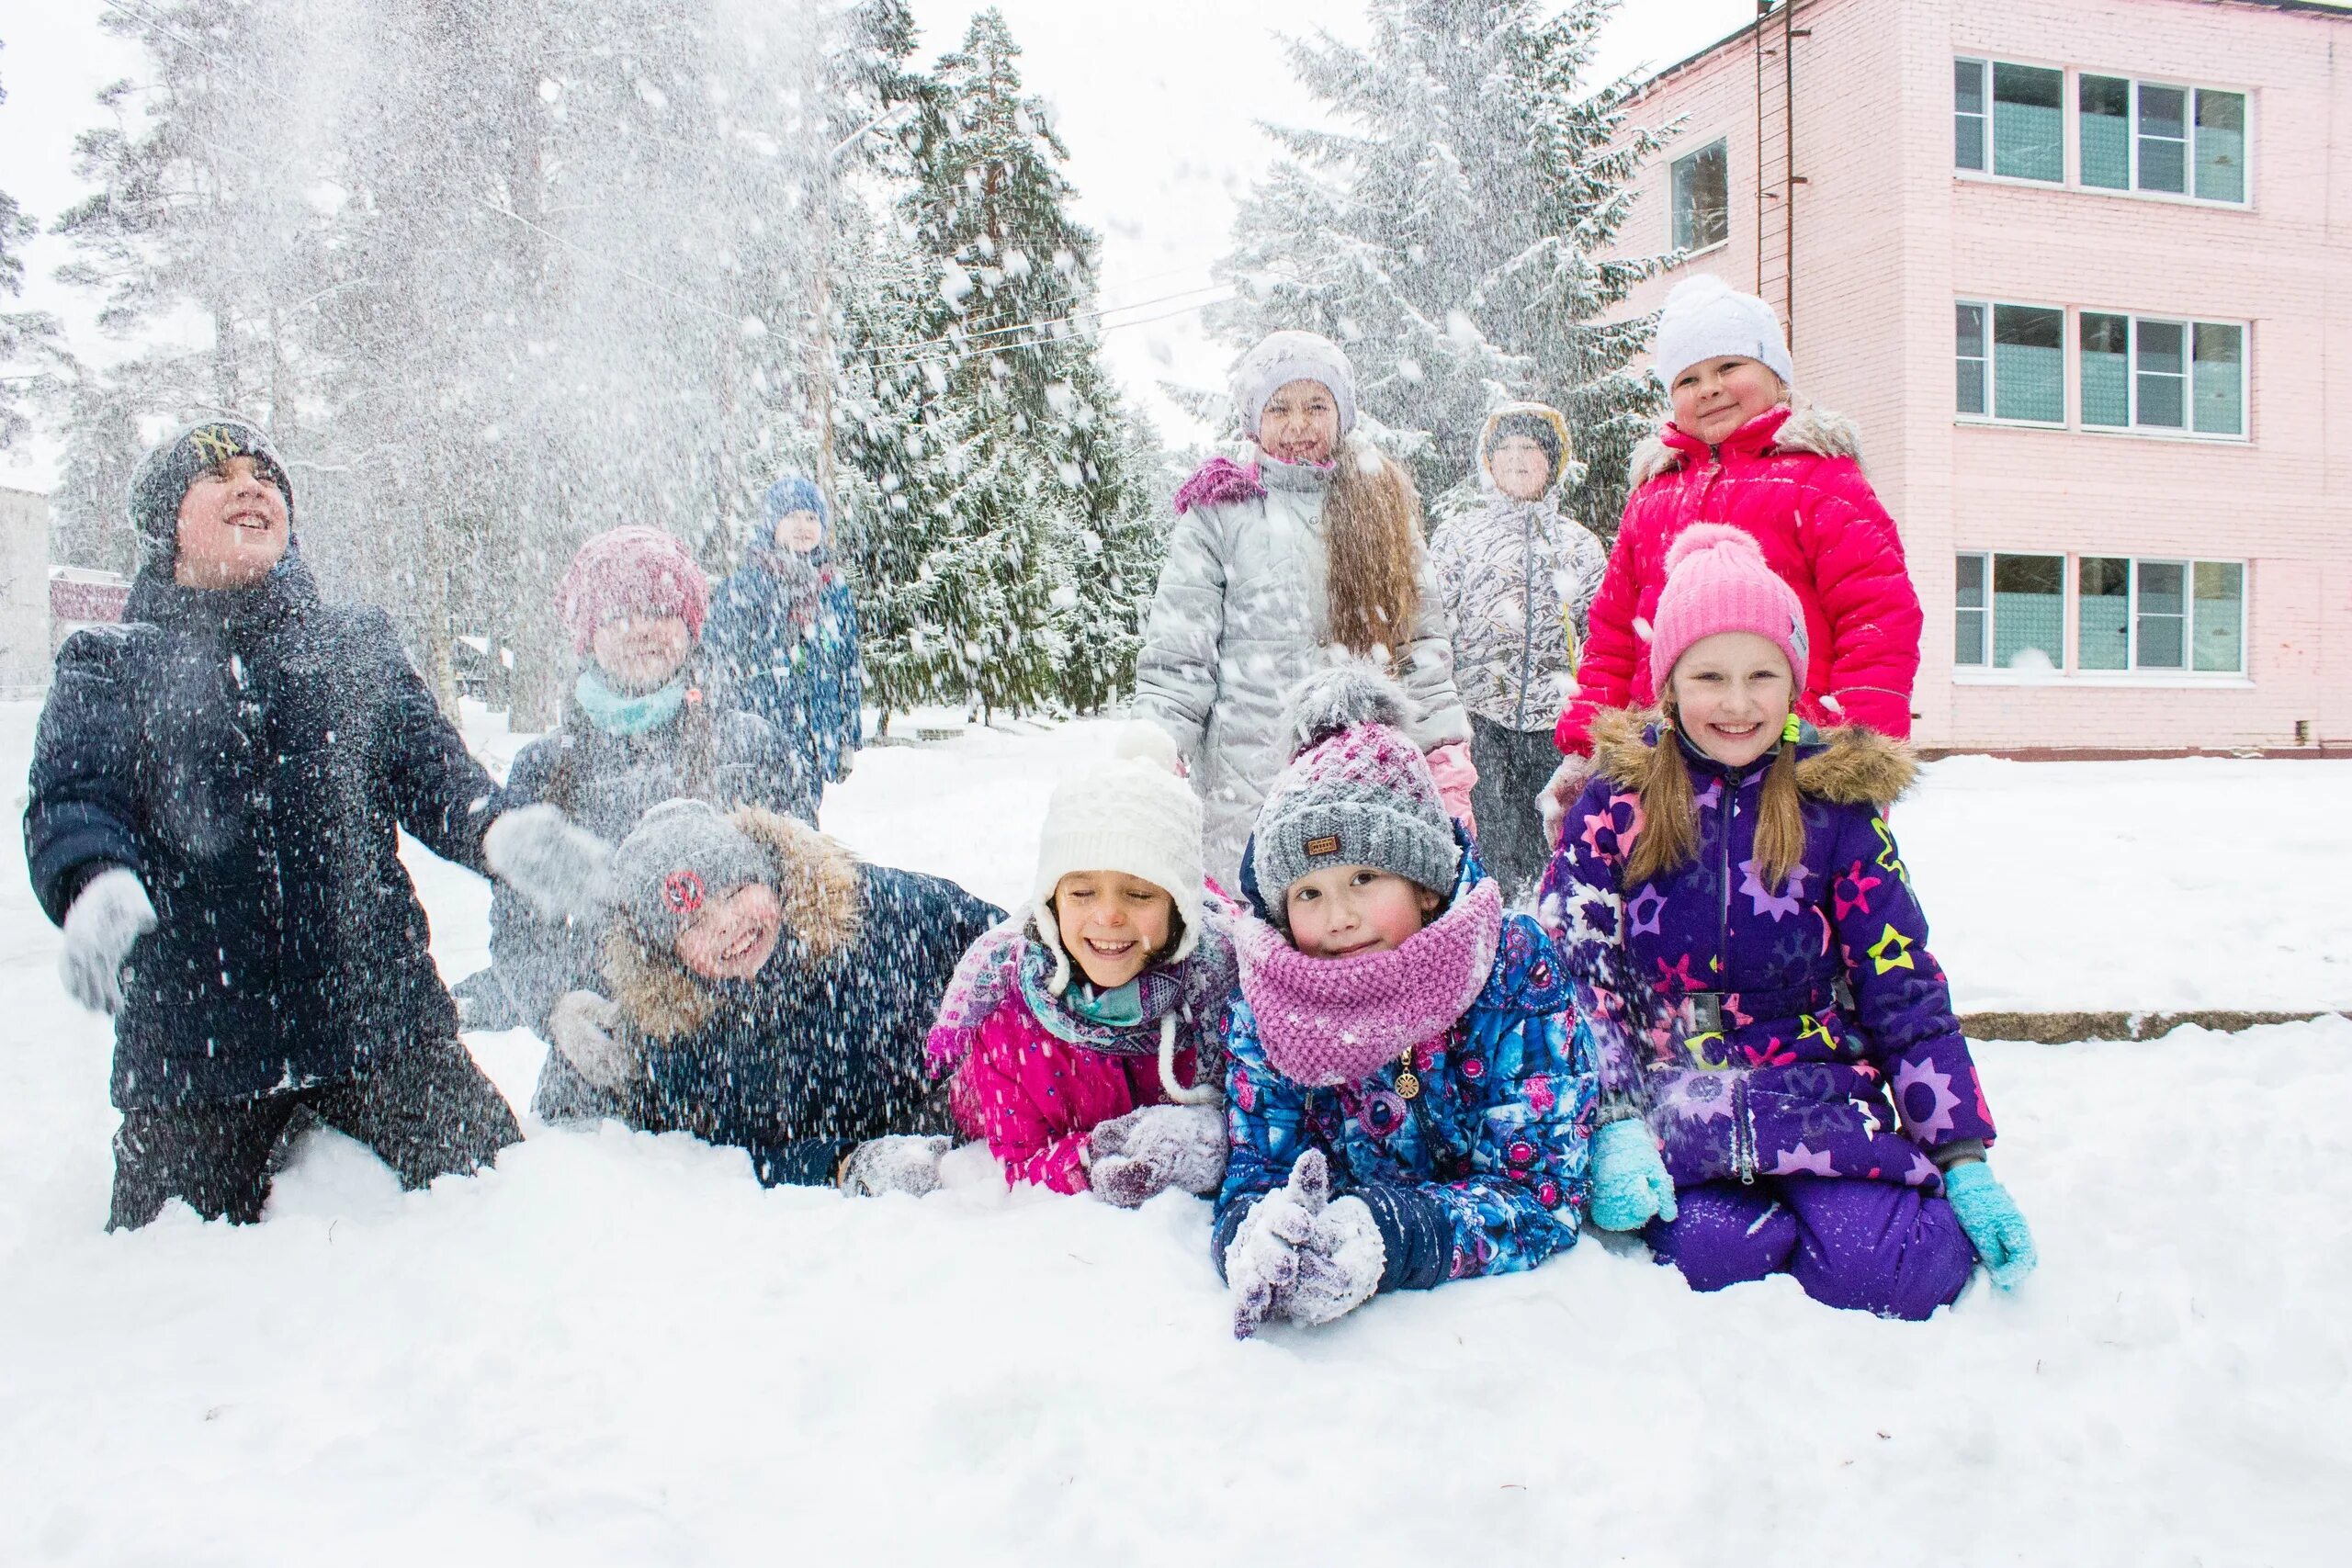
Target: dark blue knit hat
[
  {"x": 174, "y": 464},
  {"x": 796, "y": 492}
]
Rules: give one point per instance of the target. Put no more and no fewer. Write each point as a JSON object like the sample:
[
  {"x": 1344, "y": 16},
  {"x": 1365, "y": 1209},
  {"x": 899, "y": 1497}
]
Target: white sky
[{"x": 1158, "y": 104}]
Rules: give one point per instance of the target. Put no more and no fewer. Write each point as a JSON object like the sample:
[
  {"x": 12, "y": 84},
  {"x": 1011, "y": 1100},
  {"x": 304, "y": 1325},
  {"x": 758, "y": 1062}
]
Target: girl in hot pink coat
[
  {"x": 1737, "y": 453},
  {"x": 1084, "y": 1031}
]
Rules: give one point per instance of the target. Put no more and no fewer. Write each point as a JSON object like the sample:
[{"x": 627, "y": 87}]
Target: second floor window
[
  {"x": 2009, "y": 120},
  {"x": 1701, "y": 198},
  {"x": 2154, "y": 136},
  {"x": 2140, "y": 372}
]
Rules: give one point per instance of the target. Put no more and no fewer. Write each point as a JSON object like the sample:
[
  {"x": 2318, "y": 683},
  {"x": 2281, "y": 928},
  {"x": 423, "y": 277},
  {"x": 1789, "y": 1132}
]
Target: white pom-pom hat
[
  {"x": 1705, "y": 317},
  {"x": 1134, "y": 814}
]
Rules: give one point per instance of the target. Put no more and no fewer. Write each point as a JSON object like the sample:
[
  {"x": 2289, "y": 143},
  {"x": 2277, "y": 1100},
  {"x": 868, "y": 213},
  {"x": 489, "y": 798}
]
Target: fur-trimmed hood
[
  {"x": 817, "y": 882},
  {"x": 1814, "y": 431},
  {"x": 1846, "y": 765}
]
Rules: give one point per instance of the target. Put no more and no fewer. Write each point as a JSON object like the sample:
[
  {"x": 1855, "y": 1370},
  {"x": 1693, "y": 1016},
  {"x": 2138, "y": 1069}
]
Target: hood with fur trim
[
  {"x": 1812, "y": 432},
  {"x": 1565, "y": 473},
  {"x": 1846, "y": 765},
  {"x": 817, "y": 882}
]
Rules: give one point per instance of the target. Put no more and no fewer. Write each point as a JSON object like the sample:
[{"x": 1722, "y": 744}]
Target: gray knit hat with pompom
[{"x": 1358, "y": 792}]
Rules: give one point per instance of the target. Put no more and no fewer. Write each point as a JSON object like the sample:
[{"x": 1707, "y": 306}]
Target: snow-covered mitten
[
  {"x": 1991, "y": 1219},
  {"x": 1142, "y": 1153},
  {"x": 1340, "y": 1265},
  {"x": 902, "y": 1162},
  {"x": 1559, "y": 793},
  {"x": 1630, "y": 1186},
  {"x": 561, "y": 868},
  {"x": 585, "y": 1028},
  {"x": 111, "y": 912},
  {"x": 1457, "y": 776}
]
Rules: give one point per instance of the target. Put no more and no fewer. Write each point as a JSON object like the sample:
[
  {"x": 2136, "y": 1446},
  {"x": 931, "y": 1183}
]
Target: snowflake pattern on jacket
[
  {"x": 1802, "y": 1031},
  {"x": 1484, "y": 1169},
  {"x": 1793, "y": 482}
]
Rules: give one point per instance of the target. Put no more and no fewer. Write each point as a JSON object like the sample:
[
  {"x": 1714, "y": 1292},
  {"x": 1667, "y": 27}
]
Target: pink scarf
[{"x": 1336, "y": 1021}]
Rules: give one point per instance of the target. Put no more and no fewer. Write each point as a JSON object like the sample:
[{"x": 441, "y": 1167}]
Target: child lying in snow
[
  {"x": 1102, "y": 1080},
  {"x": 1397, "y": 1038},
  {"x": 768, "y": 991},
  {"x": 1804, "y": 989}
]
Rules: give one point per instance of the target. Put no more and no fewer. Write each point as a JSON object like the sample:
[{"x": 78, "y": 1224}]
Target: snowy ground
[{"x": 619, "y": 1349}]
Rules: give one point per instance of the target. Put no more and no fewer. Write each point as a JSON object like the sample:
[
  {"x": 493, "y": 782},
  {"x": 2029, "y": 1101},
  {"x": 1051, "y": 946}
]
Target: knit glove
[
  {"x": 902, "y": 1162},
  {"x": 1559, "y": 793},
  {"x": 1301, "y": 1255},
  {"x": 585, "y": 1029},
  {"x": 563, "y": 870},
  {"x": 1991, "y": 1219},
  {"x": 1629, "y": 1181},
  {"x": 1457, "y": 776},
  {"x": 111, "y": 912},
  {"x": 1145, "y": 1153}
]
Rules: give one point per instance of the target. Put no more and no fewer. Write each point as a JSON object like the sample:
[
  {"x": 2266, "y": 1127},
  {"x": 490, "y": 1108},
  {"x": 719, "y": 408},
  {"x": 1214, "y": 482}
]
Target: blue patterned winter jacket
[{"x": 1482, "y": 1172}]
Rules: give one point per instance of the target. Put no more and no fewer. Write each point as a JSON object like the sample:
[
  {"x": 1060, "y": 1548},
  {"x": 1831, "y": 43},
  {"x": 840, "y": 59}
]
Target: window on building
[
  {"x": 1968, "y": 114},
  {"x": 2011, "y": 361},
  {"x": 2158, "y": 137},
  {"x": 2029, "y": 136},
  {"x": 2159, "y": 615},
  {"x": 2021, "y": 624},
  {"x": 1703, "y": 197},
  {"x": 2160, "y": 375}
]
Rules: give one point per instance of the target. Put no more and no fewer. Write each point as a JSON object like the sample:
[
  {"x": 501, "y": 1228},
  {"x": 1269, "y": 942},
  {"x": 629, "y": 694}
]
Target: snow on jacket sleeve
[
  {"x": 1021, "y": 1133},
  {"x": 1612, "y": 650},
  {"x": 537, "y": 960},
  {"x": 1901, "y": 1001},
  {"x": 1176, "y": 669},
  {"x": 1865, "y": 591},
  {"x": 1426, "y": 671},
  {"x": 81, "y": 810},
  {"x": 1584, "y": 914},
  {"x": 849, "y": 693},
  {"x": 439, "y": 792}
]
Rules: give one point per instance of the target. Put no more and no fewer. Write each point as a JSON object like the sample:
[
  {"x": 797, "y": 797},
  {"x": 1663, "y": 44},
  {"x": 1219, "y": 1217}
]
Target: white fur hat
[
  {"x": 1134, "y": 814},
  {"x": 1707, "y": 319},
  {"x": 1283, "y": 357}
]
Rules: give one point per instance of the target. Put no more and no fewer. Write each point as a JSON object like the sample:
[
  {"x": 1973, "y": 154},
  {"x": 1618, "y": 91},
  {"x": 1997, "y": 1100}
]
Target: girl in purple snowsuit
[{"x": 1784, "y": 1084}]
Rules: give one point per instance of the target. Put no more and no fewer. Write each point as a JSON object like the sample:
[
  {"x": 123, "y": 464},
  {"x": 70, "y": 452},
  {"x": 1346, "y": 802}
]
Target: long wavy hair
[
  {"x": 1371, "y": 528},
  {"x": 1669, "y": 835}
]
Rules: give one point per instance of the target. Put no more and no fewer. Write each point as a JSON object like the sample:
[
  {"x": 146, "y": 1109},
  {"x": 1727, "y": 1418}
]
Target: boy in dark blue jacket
[{"x": 216, "y": 797}]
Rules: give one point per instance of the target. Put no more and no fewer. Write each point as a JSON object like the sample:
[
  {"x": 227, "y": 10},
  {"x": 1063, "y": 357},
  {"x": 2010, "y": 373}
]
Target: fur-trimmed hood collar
[
  {"x": 1846, "y": 765},
  {"x": 1814, "y": 432},
  {"x": 824, "y": 903}
]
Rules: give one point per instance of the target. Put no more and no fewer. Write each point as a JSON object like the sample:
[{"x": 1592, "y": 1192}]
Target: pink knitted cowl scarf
[{"x": 1335, "y": 1021}]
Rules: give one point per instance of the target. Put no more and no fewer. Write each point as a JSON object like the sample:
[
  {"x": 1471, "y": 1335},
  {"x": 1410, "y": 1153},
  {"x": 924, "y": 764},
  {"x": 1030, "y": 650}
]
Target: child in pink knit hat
[
  {"x": 1406, "y": 1091},
  {"x": 1784, "y": 1084}
]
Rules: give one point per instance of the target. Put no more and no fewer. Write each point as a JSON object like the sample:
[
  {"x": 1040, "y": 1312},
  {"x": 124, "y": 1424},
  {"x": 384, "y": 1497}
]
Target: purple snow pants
[{"x": 1871, "y": 1245}]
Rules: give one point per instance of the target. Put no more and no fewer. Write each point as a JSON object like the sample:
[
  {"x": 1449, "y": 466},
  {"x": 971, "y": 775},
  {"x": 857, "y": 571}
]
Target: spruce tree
[
  {"x": 32, "y": 350},
  {"x": 1448, "y": 233}
]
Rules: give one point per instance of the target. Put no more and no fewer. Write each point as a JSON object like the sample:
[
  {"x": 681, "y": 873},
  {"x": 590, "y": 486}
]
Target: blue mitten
[
  {"x": 1629, "y": 1181},
  {"x": 1991, "y": 1219}
]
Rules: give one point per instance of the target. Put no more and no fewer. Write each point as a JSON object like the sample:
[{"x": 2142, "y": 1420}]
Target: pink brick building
[{"x": 2082, "y": 270}]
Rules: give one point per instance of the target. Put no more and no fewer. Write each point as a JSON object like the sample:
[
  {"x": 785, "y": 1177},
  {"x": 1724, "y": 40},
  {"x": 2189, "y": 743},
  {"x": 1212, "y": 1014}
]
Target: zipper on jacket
[
  {"x": 1743, "y": 1132},
  {"x": 1526, "y": 614}
]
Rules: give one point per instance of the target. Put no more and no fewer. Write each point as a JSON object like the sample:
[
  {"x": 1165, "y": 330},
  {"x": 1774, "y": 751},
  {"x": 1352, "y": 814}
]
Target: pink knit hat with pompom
[
  {"x": 630, "y": 570},
  {"x": 1716, "y": 580}
]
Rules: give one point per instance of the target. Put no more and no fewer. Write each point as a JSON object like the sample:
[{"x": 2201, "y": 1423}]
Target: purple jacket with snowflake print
[{"x": 1806, "y": 1030}]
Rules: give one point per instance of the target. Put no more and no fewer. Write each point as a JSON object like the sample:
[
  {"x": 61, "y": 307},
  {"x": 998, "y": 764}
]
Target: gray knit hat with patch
[
  {"x": 1358, "y": 792},
  {"x": 681, "y": 855}
]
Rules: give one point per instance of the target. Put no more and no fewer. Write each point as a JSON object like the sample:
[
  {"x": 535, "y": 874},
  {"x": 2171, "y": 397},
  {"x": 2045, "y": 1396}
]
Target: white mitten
[
  {"x": 902, "y": 1162},
  {"x": 1559, "y": 793},
  {"x": 1134, "y": 1157},
  {"x": 1340, "y": 1267},
  {"x": 586, "y": 1029},
  {"x": 111, "y": 912},
  {"x": 561, "y": 868}
]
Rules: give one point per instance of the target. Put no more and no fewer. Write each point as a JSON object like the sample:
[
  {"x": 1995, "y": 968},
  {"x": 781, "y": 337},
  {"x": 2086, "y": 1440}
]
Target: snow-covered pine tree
[
  {"x": 32, "y": 351},
  {"x": 1447, "y": 233},
  {"x": 1110, "y": 546}
]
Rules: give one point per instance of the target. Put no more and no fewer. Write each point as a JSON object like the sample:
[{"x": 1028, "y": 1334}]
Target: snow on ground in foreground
[{"x": 619, "y": 1349}]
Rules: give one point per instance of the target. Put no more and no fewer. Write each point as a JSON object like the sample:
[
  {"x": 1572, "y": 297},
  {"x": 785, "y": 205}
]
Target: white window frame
[
  {"x": 2186, "y": 430},
  {"x": 2069, "y": 670},
  {"x": 1990, "y": 304},
  {"x": 2071, "y": 117},
  {"x": 1723, "y": 142}
]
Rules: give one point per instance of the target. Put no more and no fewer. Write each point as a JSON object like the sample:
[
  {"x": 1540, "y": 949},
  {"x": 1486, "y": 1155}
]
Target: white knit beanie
[
  {"x": 1134, "y": 814},
  {"x": 1283, "y": 357},
  {"x": 1707, "y": 319}
]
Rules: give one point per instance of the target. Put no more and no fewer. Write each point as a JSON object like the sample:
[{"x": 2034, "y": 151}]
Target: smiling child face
[
  {"x": 233, "y": 525},
  {"x": 1111, "y": 924},
  {"x": 732, "y": 936}
]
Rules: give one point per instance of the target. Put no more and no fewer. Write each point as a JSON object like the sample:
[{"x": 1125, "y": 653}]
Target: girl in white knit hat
[
  {"x": 1736, "y": 451},
  {"x": 1301, "y": 547},
  {"x": 1083, "y": 1033}
]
